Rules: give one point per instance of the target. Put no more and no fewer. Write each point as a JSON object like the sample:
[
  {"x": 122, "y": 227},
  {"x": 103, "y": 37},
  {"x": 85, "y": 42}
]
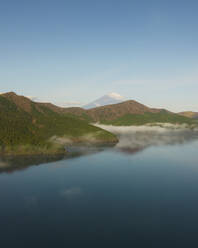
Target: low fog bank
[{"x": 140, "y": 137}]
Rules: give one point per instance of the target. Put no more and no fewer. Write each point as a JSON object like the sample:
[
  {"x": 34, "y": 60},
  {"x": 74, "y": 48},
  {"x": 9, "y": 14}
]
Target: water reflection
[
  {"x": 129, "y": 150},
  {"x": 10, "y": 164}
]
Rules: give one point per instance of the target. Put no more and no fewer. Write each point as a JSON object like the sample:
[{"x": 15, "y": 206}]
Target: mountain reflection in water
[{"x": 10, "y": 164}]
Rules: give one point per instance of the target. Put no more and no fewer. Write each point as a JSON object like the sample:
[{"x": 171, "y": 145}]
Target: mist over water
[{"x": 140, "y": 137}]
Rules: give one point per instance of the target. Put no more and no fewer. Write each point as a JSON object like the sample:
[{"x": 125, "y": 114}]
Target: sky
[{"x": 72, "y": 52}]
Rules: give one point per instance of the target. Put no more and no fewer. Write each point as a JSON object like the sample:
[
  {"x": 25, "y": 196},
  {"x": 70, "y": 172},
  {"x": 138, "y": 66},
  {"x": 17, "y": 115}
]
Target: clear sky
[{"x": 79, "y": 50}]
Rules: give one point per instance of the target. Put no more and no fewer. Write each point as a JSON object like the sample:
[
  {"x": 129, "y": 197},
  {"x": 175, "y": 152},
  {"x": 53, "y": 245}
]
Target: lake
[{"x": 126, "y": 196}]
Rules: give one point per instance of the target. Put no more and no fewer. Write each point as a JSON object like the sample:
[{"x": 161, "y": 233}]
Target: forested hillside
[
  {"x": 149, "y": 118},
  {"x": 31, "y": 125}
]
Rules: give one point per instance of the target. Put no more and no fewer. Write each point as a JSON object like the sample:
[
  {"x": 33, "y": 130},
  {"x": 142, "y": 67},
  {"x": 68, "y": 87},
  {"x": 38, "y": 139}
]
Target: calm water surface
[{"x": 110, "y": 198}]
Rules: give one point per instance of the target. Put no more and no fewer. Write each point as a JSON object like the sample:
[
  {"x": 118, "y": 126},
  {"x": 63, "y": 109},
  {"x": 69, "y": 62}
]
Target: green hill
[
  {"x": 27, "y": 127},
  {"x": 140, "y": 119}
]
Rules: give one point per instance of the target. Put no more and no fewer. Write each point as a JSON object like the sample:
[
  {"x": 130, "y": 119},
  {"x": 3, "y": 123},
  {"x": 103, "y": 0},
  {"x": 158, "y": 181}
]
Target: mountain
[
  {"x": 30, "y": 127},
  {"x": 111, "y": 98},
  {"x": 133, "y": 113},
  {"x": 127, "y": 113},
  {"x": 114, "y": 111},
  {"x": 189, "y": 114}
]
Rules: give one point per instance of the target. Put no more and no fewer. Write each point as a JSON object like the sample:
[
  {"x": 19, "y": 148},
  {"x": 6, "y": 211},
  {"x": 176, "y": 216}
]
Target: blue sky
[{"x": 68, "y": 51}]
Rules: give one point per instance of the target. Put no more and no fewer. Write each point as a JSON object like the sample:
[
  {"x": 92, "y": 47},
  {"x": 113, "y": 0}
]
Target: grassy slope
[
  {"x": 137, "y": 119},
  {"x": 23, "y": 132}
]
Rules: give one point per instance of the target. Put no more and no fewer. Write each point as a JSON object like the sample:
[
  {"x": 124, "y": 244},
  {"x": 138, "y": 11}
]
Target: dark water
[{"x": 110, "y": 198}]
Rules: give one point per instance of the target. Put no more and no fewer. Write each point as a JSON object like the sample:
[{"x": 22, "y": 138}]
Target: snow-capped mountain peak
[
  {"x": 115, "y": 96},
  {"x": 111, "y": 98}
]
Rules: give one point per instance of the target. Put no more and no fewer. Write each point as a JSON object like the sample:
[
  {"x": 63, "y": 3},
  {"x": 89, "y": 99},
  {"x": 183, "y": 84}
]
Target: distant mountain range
[
  {"x": 111, "y": 98},
  {"x": 124, "y": 113},
  {"x": 28, "y": 127},
  {"x": 127, "y": 113}
]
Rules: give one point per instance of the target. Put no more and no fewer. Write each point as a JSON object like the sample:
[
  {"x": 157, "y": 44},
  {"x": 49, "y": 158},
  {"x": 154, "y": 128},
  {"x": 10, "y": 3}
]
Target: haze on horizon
[{"x": 77, "y": 51}]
